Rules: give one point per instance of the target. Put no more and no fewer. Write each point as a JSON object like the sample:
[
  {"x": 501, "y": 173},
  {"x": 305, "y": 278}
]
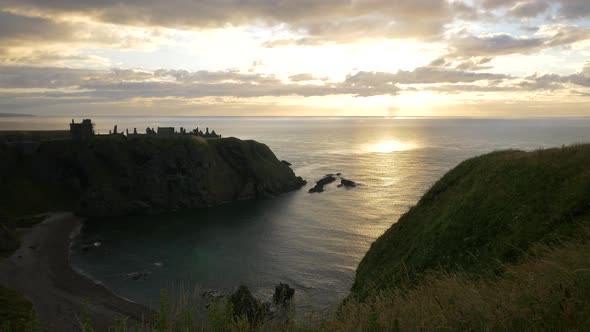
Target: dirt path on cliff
[{"x": 40, "y": 270}]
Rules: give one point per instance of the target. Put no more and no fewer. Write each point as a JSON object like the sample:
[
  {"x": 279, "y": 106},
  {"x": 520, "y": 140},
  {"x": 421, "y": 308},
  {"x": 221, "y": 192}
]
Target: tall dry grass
[{"x": 548, "y": 291}]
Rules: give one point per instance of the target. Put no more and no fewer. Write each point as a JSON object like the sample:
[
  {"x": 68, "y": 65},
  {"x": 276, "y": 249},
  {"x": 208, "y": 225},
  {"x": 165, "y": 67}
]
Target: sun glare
[{"x": 390, "y": 146}]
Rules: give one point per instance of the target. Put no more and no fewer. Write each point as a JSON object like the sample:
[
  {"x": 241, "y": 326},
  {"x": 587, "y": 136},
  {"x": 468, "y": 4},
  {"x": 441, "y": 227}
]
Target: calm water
[{"x": 311, "y": 241}]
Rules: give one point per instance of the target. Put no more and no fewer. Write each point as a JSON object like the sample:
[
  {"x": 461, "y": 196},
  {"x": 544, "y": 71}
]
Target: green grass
[
  {"x": 16, "y": 312},
  {"x": 487, "y": 211},
  {"x": 34, "y": 135}
]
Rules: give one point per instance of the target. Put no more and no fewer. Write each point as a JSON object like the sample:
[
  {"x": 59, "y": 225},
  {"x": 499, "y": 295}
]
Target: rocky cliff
[{"x": 110, "y": 176}]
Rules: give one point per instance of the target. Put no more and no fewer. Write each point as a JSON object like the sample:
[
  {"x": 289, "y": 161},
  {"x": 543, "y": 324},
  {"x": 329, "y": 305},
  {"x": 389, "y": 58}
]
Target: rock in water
[
  {"x": 319, "y": 185},
  {"x": 283, "y": 294},
  {"x": 347, "y": 183}
]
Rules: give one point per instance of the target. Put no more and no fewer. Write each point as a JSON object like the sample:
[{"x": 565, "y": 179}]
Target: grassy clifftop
[
  {"x": 114, "y": 176},
  {"x": 487, "y": 211}
]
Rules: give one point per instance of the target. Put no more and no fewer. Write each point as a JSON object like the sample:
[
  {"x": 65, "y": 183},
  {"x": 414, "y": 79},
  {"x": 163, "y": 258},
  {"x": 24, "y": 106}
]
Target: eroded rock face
[{"x": 110, "y": 177}]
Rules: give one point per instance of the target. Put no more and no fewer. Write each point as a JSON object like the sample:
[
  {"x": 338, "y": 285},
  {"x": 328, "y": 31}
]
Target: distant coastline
[{"x": 15, "y": 115}]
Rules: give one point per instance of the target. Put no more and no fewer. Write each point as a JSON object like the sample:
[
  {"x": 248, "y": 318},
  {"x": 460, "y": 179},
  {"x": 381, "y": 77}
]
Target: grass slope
[
  {"x": 548, "y": 291},
  {"x": 16, "y": 312},
  {"x": 487, "y": 211}
]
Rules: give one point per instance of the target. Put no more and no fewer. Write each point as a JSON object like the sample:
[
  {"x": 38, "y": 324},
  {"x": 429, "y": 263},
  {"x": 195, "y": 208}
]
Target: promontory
[{"x": 111, "y": 175}]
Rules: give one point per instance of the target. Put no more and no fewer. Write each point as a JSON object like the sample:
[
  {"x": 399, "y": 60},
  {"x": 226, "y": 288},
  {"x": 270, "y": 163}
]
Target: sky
[{"x": 291, "y": 58}]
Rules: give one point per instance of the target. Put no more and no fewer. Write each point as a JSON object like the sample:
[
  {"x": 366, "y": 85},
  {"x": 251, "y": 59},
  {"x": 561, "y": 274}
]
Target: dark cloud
[
  {"x": 503, "y": 44},
  {"x": 42, "y": 41},
  {"x": 565, "y": 9},
  {"x": 439, "y": 62},
  {"x": 50, "y": 78},
  {"x": 421, "y": 75},
  {"x": 493, "y": 4},
  {"x": 126, "y": 84},
  {"x": 564, "y": 35},
  {"x": 465, "y": 12},
  {"x": 536, "y": 82},
  {"x": 474, "y": 64},
  {"x": 19, "y": 29},
  {"x": 529, "y": 9},
  {"x": 118, "y": 84},
  {"x": 573, "y": 9},
  {"x": 542, "y": 82},
  {"x": 317, "y": 19},
  {"x": 582, "y": 77},
  {"x": 494, "y": 44}
]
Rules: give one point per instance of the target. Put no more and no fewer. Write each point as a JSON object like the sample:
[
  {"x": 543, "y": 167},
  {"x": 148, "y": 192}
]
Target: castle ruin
[{"x": 85, "y": 130}]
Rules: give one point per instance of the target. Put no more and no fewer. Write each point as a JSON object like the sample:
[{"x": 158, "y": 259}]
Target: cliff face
[
  {"x": 487, "y": 211},
  {"x": 110, "y": 176}
]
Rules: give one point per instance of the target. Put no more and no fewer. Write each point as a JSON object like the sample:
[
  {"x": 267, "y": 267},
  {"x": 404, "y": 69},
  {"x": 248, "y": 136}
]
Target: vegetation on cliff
[
  {"x": 16, "y": 312},
  {"x": 548, "y": 290},
  {"x": 487, "y": 211},
  {"x": 113, "y": 176}
]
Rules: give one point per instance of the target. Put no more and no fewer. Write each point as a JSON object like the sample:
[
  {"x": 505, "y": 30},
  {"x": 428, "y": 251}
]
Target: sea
[{"x": 313, "y": 242}]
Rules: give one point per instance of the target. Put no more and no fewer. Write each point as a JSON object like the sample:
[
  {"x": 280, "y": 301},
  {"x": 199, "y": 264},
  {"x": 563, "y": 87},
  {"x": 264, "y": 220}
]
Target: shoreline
[{"x": 40, "y": 269}]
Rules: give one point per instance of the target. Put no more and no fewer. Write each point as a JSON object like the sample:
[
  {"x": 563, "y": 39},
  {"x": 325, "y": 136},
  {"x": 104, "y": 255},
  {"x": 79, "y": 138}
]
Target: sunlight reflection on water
[{"x": 390, "y": 146}]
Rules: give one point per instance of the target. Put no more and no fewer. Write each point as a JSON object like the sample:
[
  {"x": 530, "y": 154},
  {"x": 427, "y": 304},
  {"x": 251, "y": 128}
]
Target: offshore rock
[
  {"x": 347, "y": 183},
  {"x": 319, "y": 185},
  {"x": 283, "y": 294}
]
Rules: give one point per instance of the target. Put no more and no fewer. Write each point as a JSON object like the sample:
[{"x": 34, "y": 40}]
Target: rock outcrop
[
  {"x": 346, "y": 183},
  {"x": 319, "y": 185},
  {"x": 329, "y": 178},
  {"x": 283, "y": 294},
  {"x": 110, "y": 176}
]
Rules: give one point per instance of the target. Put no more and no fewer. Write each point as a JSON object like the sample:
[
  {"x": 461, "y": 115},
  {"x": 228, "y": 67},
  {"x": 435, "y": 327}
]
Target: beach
[{"x": 40, "y": 270}]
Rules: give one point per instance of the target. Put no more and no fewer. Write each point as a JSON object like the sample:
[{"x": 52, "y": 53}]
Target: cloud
[
  {"x": 564, "y": 35},
  {"x": 127, "y": 84},
  {"x": 43, "y": 41},
  {"x": 494, "y": 44},
  {"x": 123, "y": 84},
  {"x": 16, "y": 29},
  {"x": 564, "y": 9},
  {"x": 502, "y": 43},
  {"x": 573, "y": 9},
  {"x": 529, "y": 9},
  {"x": 421, "y": 75},
  {"x": 537, "y": 81},
  {"x": 493, "y": 4},
  {"x": 306, "y": 77},
  {"x": 582, "y": 77},
  {"x": 319, "y": 20}
]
